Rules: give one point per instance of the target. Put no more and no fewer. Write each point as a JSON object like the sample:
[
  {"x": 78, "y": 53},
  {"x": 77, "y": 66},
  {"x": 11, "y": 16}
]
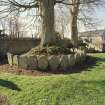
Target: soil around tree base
[{"x": 78, "y": 68}]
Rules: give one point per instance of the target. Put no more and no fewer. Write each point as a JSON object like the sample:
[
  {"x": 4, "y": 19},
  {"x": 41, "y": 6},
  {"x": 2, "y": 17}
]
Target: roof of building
[{"x": 93, "y": 33}]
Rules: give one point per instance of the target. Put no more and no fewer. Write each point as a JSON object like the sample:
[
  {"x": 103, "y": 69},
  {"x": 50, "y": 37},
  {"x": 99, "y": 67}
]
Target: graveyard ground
[{"x": 83, "y": 86}]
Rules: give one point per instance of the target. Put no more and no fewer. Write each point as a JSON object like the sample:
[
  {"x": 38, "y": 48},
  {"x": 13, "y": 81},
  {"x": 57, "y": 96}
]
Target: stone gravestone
[
  {"x": 54, "y": 62},
  {"x": 10, "y": 58},
  {"x": 64, "y": 61},
  {"x": 42, "y": 62},
  {"x": 71, "y": 60},
  {"x": 23, "y": 63},
  {"x": 16, "y": 60},
  {"x": 32, "y": 62}
]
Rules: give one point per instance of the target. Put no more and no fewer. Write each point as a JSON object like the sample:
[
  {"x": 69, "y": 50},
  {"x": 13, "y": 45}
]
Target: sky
[{"x": 100, "y": 14}]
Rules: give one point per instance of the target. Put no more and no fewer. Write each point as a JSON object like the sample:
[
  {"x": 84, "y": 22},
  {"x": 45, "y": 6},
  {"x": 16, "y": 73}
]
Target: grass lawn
[{"x": 84, "y": 88}]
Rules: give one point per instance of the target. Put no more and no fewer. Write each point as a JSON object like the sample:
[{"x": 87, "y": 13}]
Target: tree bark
[
  {"x": 48, "y": 36},
  {"x": 73, "y": 22}
]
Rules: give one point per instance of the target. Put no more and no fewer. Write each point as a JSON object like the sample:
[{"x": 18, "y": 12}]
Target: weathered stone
[
  {"x": 80, "y": 57},
  {"x": 83, "y": 54},
  {"x": 32, "y": 62},
  {"x": 64, "y": 61},
  {"x": 54, "y": 62},
  {"x": 16, "y": 60},
  {"x": 10, "y": 58},
  {"x": 71, "y": 60},
  {"x": 77, "y": 57},
  {"x": 42, "y": 62},
  {"x": 23, "y": 62}
]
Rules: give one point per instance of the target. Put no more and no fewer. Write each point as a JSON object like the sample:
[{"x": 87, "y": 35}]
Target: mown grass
[{"x": 84, "y": 88}]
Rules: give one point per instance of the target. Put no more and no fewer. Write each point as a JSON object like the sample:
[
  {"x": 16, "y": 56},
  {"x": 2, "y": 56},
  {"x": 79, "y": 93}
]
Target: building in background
[{"x": 96, "y": 39}]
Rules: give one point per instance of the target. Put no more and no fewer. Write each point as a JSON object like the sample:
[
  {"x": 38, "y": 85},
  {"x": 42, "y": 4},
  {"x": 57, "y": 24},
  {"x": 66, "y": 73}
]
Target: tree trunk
[
  {"x": 48, "y": 36},
  {"x": 74, "y": 31},
  {"x": 73, "y": 23}
]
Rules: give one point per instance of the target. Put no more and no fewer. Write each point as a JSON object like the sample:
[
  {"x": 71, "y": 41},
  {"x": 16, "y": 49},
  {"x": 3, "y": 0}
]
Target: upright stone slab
[
  {"x": 42, "y": 62},
  {"x": 10, "y": 58},
  {"x": 77, "y": 57},
  {"x": 54, "y": 62},
  {"x": 84, "y": 55},
  {"x": 71, "y": 60},
  {"x": 16, "y": 60},
  {"x": 81, "y": 56},
  {"x": 32, "y": 62},
  {"x": 23, "y": 63},
  {"x": 64, "y": 61}
]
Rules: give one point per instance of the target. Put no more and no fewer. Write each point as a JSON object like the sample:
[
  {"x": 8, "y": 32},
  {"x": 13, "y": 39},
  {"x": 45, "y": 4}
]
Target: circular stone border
[{"x": 43, "y": 62}]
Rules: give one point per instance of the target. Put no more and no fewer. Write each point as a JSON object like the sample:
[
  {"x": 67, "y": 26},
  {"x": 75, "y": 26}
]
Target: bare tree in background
[
  {"x": 79, "y": 10},
  {"x": 14, "y": 26},
  {"x": 46, "y": 8}
]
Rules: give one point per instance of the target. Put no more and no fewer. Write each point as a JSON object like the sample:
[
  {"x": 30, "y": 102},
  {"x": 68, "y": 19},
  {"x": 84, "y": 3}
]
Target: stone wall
[
  {"x": 45, "y": 62},
  {"x": 17, "y": 46}
]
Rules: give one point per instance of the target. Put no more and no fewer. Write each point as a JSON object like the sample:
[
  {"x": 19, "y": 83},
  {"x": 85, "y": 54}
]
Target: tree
[
  {"x": 48, "y": 35},
  {"x": 46, "y": 8},
  {"x": 74, "y": 10},
  {"x": 77, "y": 8}
]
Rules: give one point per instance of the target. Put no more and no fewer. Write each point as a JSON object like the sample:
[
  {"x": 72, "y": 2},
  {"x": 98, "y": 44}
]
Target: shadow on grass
[
  {"x": 102, "y": 82},
  {"x": 9, "y": 84},
  {"x": 89, "y": 64},
  {"x": 96, "y": 86}
]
